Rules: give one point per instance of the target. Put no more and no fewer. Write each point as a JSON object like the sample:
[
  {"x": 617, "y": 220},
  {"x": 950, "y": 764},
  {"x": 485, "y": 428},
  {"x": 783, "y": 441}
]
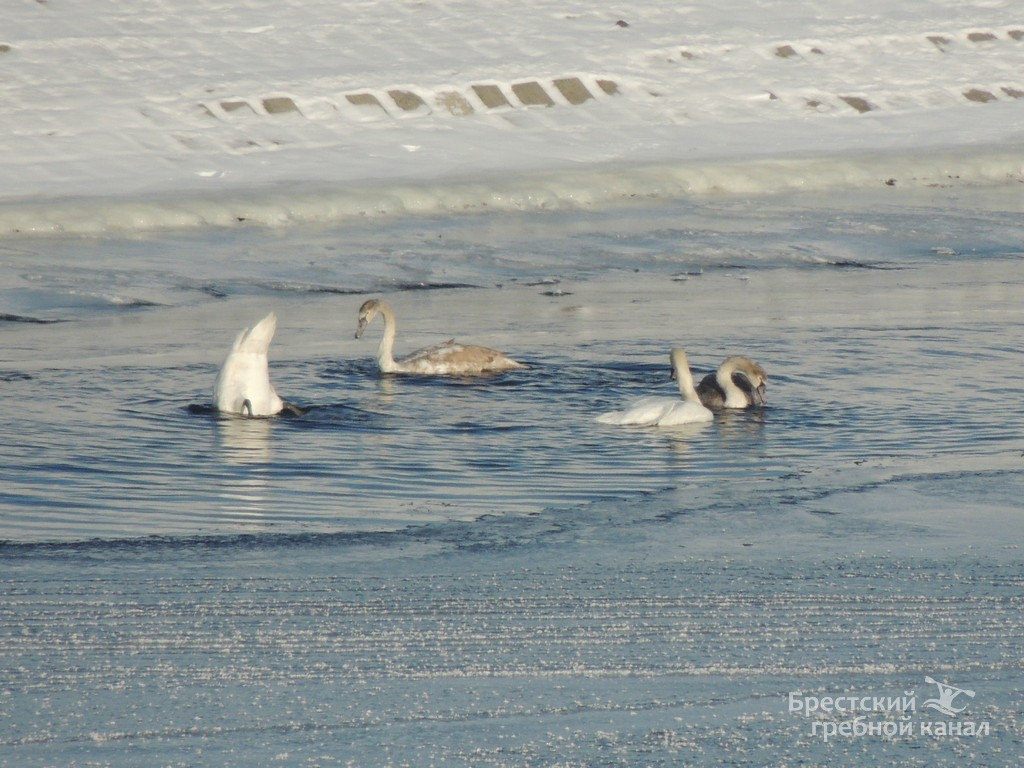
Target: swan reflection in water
[{"x": 248, "y": 456}]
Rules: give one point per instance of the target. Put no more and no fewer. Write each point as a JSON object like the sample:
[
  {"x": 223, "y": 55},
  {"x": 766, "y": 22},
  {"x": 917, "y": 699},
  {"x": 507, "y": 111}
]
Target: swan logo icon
[{"x": 947, "y": 696}]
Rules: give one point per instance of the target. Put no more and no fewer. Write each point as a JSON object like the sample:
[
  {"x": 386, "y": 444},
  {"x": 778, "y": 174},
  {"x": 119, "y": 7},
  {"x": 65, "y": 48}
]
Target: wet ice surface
[
  {"x": 474, "y": 572},
  {"x": 307, "y": 653}
]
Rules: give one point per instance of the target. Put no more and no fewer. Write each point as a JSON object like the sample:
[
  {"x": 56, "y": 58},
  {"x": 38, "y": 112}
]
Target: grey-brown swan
[
  {"x": 739, "y": 382},
  {"x": 449, "y": 358}
]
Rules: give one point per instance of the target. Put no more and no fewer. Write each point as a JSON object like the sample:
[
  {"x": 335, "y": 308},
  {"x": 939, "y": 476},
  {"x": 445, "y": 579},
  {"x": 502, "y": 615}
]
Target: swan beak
[
  {"x": 361, "y": 327},
  {"x": 760, "y": 395}
]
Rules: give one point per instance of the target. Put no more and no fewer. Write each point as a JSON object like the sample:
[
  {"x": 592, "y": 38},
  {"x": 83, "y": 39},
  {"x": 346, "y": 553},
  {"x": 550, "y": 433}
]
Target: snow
[{"x": 185, "y": 114}]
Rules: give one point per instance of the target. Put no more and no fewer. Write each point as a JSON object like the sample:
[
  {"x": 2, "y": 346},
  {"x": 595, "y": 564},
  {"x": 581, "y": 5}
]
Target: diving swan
[
  {"x": 665, "y": 411},
  {"x": 739, "y": 382},
  {"x": 449, "y": 358},
  {"x": 243, "y": 385}
]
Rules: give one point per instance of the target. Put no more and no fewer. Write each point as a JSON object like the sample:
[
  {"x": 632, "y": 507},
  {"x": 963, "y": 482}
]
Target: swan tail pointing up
[
  {"x": 243, "y": 385},
  {"x": 256, "y": 340}
]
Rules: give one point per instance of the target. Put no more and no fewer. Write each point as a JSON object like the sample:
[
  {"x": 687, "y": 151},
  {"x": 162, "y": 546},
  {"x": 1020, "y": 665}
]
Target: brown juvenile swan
[
  {"x": 739, "y": 382},
  {"x": 449, "y": 358}
]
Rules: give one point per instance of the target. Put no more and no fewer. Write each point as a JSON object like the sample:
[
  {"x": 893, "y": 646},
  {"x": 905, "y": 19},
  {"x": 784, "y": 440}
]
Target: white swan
[
  {"x": 739, "y": 382},
  {"x": 449, "y": 358},
  {"x": 243, "y": 385},
  {"x": 665, "y": 411}
]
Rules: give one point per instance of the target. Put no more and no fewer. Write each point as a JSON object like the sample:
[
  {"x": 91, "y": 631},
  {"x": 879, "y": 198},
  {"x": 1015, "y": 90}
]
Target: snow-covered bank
[
  {"x": 294, "y": 203},
  {"x": 309, "y": 110}
]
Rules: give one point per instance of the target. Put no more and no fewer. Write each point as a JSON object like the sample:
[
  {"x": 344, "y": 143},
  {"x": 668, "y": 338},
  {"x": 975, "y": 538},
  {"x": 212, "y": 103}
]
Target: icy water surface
[
  {"x": 473, "y": 572},
  {"x": 889, "y": 339}
]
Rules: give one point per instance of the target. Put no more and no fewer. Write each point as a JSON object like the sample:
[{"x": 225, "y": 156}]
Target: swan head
[
  {"x": 679, "y": 363},
  {"x": 751, "y": 377},
  {"x": 760, "y": 395},
  {"x": 367, "y": 312},
  {"x": 681, "y": 371}
]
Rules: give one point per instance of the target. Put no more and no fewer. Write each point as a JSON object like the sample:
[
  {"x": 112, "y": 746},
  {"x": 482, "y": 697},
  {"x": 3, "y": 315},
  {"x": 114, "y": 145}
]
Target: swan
[
  {"x": 243, "y": 385},
  {"x": 448, "y": 358},
  {"x": 739, "y": 382},
  {"x": 665, "y": 411}
]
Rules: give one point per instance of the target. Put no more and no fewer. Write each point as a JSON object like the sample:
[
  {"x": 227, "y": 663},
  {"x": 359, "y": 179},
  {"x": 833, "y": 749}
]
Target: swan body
[
  {"x": 665, "y": 411},
  {"x": 448, "y": 358},
  {"x": 739, "y": 382},
  {"x": 243, "y": 385}
]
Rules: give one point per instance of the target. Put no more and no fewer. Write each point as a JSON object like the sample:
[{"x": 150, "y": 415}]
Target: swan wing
[
  {"x": 685, "y": 413},
  {"x": 454, "y": 358},
  {"x": 710, "y": 393},
  {"x": 646, "y": 411},
  {"x": 658, "y": 411}
]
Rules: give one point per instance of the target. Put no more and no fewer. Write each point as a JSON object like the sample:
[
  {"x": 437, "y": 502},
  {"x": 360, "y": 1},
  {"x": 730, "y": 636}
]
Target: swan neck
[
  {"x": 685, "y": 381},
  {"x": 724, "y": 378},
  {"x": 385, "y": 356}
]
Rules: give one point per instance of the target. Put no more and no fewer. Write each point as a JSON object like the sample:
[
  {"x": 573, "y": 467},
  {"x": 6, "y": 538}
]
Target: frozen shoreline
[{"x": 293, "y": 203}]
